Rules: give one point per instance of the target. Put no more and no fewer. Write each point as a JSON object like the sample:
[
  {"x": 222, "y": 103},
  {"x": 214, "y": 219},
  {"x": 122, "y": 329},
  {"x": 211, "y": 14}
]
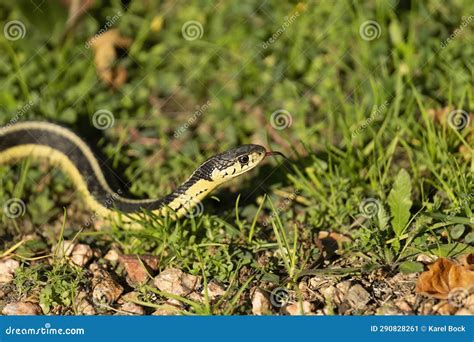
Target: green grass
[{"x": 362, "y": 128}]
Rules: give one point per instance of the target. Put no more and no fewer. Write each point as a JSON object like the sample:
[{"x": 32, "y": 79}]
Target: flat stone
[
  {"x": 214, "y": 290},
  {"x": 105, "y": 290},
  {"x": 260, "y": 302},
  {"x": 81, "y": 254},
  {"x": 175, "y": 281},
  {"x": 167, "y": 310},
  {"x": 112, "y": 255},
  {"x": 132, "y": 308},
  {"x": 358, "y": 297},
  {"x": 7, "y": 270},
  {"x": 22, "y": 309},
  {"x": 298, "y": 309},
  {"x": 136, "y": 271}
]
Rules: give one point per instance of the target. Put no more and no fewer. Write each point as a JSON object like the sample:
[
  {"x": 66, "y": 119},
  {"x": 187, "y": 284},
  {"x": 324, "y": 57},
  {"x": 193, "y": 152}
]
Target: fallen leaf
[
  {"x": 334, "y": 236},
  {"x": 439, "y": 115},
  {"x": 444, "y": 275},
  {"x": 331, "y": 242},
  {"x": 104, "y": 46}
]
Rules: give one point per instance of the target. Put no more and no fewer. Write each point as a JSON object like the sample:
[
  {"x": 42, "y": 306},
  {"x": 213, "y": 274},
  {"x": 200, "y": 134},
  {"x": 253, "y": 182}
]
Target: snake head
[{"x": 234, "y": 162}]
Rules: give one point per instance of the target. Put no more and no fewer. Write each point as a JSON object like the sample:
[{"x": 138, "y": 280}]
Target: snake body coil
[{"x": 71, "y": 154}]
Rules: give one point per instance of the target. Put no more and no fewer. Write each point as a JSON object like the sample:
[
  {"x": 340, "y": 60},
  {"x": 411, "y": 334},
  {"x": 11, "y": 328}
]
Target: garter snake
[{"x": 67, "y": 151}]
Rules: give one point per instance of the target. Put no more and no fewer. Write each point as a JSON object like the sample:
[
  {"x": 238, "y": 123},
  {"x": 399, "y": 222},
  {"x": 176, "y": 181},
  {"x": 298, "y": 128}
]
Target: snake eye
[{"x": 243, "y": 159}]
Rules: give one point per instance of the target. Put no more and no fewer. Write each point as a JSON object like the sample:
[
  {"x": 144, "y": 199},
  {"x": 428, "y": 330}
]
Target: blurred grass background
[{"x": 360, "y": 110}]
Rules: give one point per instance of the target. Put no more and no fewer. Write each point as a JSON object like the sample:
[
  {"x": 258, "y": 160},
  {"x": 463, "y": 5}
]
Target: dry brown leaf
[
  {"x": 330, "y": 242},
  {"x": 439, "y": 115},
  {"x": 445, "y": 275},
  {"x": 334, "y": 236},
  {"x": 105, "y": 46}
]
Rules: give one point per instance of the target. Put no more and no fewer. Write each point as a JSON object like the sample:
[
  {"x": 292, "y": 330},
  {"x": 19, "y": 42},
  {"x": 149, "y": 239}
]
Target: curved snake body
[{"x": 69, "y": 152}]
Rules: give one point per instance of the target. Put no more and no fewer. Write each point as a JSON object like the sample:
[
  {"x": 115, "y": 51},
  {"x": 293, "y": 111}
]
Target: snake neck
[{"x": 63, "y": 148}]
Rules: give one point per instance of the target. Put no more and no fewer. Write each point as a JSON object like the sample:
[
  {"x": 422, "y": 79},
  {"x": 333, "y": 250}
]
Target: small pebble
[
  {"x": 260, "y": 302},
  {"x": 112, "y": 255},
  {"x": 138, "y": 268},
  {"x": 175, "y": 281},
  {"x": 167, "y": 310},
  {"x": 105, "y": 289},
  {"x": 358, "y": 297},
  {"x": 21, "y": 308},
  {"x": 7, "y": 270},
  {"x": 214, "y": 290},
  {"x": 64, "y": 249},
  {"x": 81, "y": 254},
  {"x": 132, "y": 308},
  {"x": 297, "y": 309}
]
